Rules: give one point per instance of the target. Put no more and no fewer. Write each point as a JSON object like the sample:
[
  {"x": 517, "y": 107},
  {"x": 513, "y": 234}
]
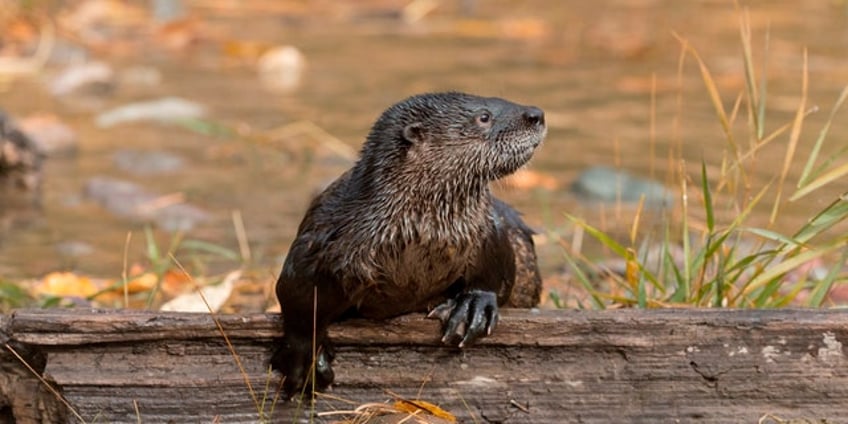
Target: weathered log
[{"x": 714, "y": 366}]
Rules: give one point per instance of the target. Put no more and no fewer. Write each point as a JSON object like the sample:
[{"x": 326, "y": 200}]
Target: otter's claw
[
  {"x": 471, "y": 315},
  {"x": 294, "y": 360}
]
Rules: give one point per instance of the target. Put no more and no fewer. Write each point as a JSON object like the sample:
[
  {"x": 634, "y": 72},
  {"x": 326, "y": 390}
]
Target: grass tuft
[{"x": 728, "y": 262}]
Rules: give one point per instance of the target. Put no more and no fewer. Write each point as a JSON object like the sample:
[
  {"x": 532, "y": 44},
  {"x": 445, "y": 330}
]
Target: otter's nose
[{"x": 534, "y": 115}]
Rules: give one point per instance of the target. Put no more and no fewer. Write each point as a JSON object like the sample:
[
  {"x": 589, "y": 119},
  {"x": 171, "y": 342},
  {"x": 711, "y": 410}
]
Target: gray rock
[
  {"x": 281, "y": 68},
  {"x": 604, "y": 184},
  {"x": 147, "y": 163},
  {"x": 50, "y": 135},
  {"x": 73, "y": 248},
  {"x": 87, "y": 78},
  {"x": 167, "y": 109},
  {"x": 140, "y": 77},
  {"x": 129, "y": 200}
]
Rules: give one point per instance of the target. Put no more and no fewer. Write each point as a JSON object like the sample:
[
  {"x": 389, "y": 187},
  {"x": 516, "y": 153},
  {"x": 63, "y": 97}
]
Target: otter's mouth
[
  {"x": 519, "y": 150},
  {"x": 532, "y": 134}
]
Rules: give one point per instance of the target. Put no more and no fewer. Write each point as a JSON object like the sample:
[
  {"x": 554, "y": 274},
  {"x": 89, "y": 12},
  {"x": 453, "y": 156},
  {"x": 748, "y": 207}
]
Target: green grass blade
[
  {"x": 833, "y": 214},
  {"x": 12, "y": 296},
  {"x": 652, "y": 279},
  {"x": 747, "y": 261},
  {"x": 825, "y": 165},
  {"x": 680, "y": 294},
  {"x": 790, "y": 263},
  {"x": 641, "y": 293},
  {"x": 708, "y": 199},
  {"x": 697, "y": 265},
  {"x": 806, "y": 174},
  {"x": 826, "y": 178},
  {"x": 584, "y": 281},
  {"x": 773, "y": 236},
  {"x": 606, "y": 240},
  {"x": 714, "y": 243},
  {"x": 719, "y": 281},
  {"x": 822, "y": 287},
  {"x": 686, "y": 281},
  {"x": 786, "y": 300},
  {"x": 743, "y": 215},
  {"x": 206, "y": 247},
  {"x": 176, "y": 240},
  {"x": 648, "y": 274},
  {"x": 557, "y": 301},
  {"x": 153, "y": 253},
  {"x": 769, "y": 290},
  {"x": 207, "y": 127}
]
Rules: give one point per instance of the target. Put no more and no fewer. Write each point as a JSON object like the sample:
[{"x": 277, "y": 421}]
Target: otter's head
[{"x": 455, "y": 136}]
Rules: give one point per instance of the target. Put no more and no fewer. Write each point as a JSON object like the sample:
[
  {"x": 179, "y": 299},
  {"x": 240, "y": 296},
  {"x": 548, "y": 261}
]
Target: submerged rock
[
  {"x": 85, "y": 78},
  {"x": 140, "y": 76},
  {"x": 73, "y": 248},
  {"x": 168, "y": 109},
  {"x": 147, "y": 163},
  {"x": 281, "y": 68},
  {"x": 50, "y": 135},
  {"x": 603, "y": 184},
  {"x": 129, "y": 200}
]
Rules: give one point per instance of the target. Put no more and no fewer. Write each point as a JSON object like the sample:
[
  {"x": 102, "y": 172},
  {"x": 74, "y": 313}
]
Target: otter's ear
[{"x": 415, "y": 133}]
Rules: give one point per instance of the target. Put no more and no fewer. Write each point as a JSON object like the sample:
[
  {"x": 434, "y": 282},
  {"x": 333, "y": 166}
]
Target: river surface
[{"x": 592, "y": 66}]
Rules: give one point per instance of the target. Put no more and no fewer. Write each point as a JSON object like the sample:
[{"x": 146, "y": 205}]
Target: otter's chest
[{"x": 414, "y": 277}]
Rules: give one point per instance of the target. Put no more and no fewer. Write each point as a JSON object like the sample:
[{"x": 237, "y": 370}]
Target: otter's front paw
[
  {"x": 467, "y": 317},
  {"x": 294, "y": 360}
]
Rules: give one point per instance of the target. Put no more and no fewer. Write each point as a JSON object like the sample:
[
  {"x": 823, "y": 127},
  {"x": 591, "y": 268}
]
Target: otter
[{"x": 413, "y": 227}]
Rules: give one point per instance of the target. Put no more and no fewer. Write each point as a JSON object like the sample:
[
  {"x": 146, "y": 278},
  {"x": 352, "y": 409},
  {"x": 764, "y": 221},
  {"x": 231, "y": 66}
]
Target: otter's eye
[{"x": 484, "y": 119}]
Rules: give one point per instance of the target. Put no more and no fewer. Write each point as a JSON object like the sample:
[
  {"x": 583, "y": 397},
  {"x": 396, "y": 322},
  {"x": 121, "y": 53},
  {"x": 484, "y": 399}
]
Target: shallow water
[{"x": 589, "y": 65}]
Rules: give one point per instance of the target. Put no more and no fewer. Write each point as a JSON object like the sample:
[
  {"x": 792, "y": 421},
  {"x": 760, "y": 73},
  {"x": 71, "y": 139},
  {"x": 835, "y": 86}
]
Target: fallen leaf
[
  {"x": 526, "y": 179},
  {"x": 96, "y": 21},
  {"x": 526, "y": 29},
  {"x": 114, "y": 296},
  {"x": 175, "y": 283},
  {"x": 142, "y": 283},
  {"x": 215, "y": 296},
  {"x": 247, "y": 50},
  {"x": 179, "y": 34},
  {"x": 250, "y": 294},
  {"x": 414, "y": 406},
  {"x": 65, "y": 284}
]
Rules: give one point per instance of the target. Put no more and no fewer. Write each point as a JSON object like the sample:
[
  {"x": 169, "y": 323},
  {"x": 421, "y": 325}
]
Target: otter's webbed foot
[
  {"x": 467, "y": 317},
  {"x": 294, "y": 360}
]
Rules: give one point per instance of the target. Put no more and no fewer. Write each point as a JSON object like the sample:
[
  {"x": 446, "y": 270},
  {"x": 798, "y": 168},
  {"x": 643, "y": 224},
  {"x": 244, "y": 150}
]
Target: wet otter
[{"x": 414, "y": 226}]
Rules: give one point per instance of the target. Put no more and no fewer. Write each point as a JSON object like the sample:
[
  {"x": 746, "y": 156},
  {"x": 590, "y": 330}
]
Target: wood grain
[{"x": 655, "y": 366}]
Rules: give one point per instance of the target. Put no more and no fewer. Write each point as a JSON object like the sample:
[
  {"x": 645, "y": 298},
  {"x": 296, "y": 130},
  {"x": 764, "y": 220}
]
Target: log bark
[{"x": 713, "y": 366}]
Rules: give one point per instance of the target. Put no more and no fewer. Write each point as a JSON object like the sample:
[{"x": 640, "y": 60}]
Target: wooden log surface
[{"x": 655, "y": 366}]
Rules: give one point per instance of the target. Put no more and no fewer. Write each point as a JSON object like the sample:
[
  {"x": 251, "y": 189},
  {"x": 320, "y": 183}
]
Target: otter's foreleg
[
  {"x": 305, "y": 322},
  {"x": 473, "y": 313}
]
